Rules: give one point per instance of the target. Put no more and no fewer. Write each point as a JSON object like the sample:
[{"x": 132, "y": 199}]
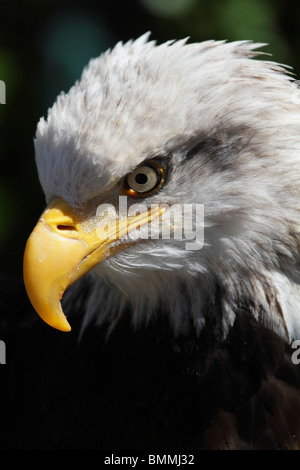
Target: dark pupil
[{"x": 141, "y": 178}]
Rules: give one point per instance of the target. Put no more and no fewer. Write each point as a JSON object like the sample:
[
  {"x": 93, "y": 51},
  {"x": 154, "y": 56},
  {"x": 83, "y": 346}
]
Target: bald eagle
[{"x": 170, "y": 248}]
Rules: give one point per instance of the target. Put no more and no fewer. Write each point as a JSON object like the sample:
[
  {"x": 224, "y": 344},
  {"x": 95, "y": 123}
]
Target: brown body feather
[{"x": 144, "y": 390}]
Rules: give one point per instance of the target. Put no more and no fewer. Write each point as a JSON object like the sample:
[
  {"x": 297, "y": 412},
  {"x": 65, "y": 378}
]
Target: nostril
[{"x": 66, "y": 227}]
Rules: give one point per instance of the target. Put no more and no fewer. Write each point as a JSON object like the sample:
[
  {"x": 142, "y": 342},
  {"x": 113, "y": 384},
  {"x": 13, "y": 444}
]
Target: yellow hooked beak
[{"x": 61, "y": 250}]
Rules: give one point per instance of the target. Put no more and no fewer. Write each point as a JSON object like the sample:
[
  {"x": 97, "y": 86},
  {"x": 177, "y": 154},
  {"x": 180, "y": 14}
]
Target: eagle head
[{"x": 171, "y": 174}]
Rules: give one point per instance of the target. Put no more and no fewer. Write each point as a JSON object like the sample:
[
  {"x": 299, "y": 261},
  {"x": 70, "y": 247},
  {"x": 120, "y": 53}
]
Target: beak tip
[
  {"x": 60, "y": 324},
  {"x": 66, "y": 327}
]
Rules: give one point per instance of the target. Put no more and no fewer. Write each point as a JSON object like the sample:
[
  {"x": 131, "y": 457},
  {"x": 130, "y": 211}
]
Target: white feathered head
[{"x": 173, "y": 124}]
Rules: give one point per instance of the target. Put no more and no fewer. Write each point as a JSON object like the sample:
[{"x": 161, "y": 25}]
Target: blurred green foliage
[{"x": 44, "y": 46}]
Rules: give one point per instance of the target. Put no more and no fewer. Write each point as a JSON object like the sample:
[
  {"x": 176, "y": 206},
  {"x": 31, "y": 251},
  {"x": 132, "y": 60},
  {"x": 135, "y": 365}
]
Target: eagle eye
[{"x": 144, "y": 180}]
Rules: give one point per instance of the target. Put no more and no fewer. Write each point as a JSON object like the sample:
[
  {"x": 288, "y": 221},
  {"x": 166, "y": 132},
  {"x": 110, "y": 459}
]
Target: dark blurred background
[{"x": 45, "y": 44}]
